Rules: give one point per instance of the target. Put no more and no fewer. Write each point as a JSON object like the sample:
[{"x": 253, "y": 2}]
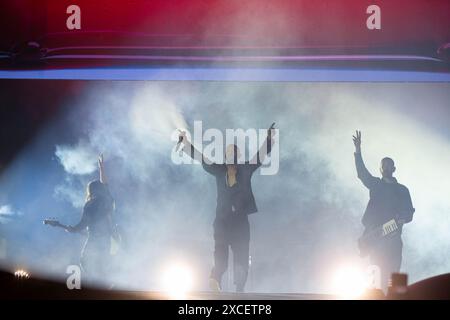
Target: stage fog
[{"x": 309, "y": 212}]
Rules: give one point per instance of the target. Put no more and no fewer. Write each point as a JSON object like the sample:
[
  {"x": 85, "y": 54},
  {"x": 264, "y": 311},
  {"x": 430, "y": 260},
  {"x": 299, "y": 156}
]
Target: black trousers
[
  {"x": 96, "y": 259},
  {"x": 231, "y": 231},
  {"x": 387, "y": 255}
]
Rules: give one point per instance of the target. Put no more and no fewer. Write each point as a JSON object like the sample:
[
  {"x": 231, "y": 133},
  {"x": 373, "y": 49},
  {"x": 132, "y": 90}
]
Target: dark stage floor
[{"x": 12, "y": 287}]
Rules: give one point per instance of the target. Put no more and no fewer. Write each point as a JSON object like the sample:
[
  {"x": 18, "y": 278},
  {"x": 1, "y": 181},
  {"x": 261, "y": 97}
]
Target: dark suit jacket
[{"x": 240, "y": 196}]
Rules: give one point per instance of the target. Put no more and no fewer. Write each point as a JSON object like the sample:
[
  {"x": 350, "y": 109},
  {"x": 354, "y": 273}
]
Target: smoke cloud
[
  {"x": 7, "y": 212},
  {"x": 77, "y": 160},
  {"x": 309, "y": 213}
]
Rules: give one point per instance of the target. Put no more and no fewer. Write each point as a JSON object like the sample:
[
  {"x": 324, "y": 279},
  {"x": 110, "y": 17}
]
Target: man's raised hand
[
  {"x": 270, "y": 130},
  {"x": 181, "y": 139},
  {"x": 100, "y": 160},
  {"x": 357, "y": 141},
  {"x": 181, "y": 136},
  {"x": 101, "y": 169}
]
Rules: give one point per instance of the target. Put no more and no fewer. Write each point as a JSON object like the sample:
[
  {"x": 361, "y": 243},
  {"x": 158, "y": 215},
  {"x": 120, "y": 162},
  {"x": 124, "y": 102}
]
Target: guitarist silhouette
[
  {"x": 97, "y": 222},
  {"x": 388, "y": 209}
]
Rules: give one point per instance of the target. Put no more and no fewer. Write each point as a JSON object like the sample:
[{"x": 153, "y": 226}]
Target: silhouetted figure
[
  {"x": 235, "y": 201},
  {"x": 389, "y": 208},
  {"x": 97, "y": 222}
]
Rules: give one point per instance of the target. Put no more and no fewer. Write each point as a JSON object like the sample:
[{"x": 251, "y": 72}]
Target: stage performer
[
  {"x": 235, "y": 201},
  {"x": 97, "y": 222},
  {"x": 389, "y": 208}
]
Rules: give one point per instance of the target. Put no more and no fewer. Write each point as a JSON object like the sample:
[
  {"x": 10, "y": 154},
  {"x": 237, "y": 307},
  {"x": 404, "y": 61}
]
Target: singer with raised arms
[{"x": 235, "y": 201}]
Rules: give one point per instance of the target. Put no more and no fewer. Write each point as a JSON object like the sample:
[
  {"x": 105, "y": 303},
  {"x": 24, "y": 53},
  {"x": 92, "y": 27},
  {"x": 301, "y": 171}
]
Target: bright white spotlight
[
  {"x": 349, "y": 282},
  {"x": 177, "y": 281}
]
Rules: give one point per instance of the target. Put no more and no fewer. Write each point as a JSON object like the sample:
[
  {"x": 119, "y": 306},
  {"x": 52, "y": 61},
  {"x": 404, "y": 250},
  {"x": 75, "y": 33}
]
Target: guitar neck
[
  {"x": 55, "y": 224},
  {"x": 62, "y": 226}
]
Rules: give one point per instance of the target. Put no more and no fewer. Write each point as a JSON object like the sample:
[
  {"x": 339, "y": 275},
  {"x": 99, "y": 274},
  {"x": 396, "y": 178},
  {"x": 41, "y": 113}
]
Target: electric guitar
[
  {"x": 115, "y": 244},
  {"x": 54, "y": 223},
  {"x": 370, "y": 238}
]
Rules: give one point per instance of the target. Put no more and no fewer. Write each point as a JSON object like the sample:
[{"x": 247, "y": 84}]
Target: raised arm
[
  {"x": 363, "y": 174},
  {"x": 101, "y": 169},
  {"x": 191, "y": 151},
  {"x": 265, "y": 149},
  {"x": 188, "y": 148}
]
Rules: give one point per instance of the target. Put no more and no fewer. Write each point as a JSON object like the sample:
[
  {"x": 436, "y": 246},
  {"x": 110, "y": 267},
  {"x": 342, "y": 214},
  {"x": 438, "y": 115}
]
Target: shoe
[
  {"x": 239, "y": 289},
  {"x": 214, "y": 285}
]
